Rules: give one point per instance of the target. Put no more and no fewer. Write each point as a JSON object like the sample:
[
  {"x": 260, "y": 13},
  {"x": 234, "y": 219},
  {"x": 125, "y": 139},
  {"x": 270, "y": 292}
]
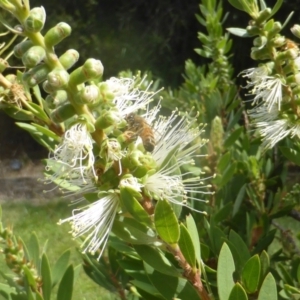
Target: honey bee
[
  {"x": 141, "y": 128},
  {"x": 289, "y": 44}
]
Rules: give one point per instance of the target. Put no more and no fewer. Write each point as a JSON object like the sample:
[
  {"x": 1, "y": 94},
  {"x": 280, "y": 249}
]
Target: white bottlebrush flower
[
  {"x": 269, "y": 91},
  {"x": 179, "y": 136},
  {"x": 128, "y": 98},
  {"x": 255, "y": 75},
  {"x": 266, "y": 89},
  {"x": 73, "y": 159},
  {"x": 271, "y": 126},
  {"x": 94, "y": 221}
]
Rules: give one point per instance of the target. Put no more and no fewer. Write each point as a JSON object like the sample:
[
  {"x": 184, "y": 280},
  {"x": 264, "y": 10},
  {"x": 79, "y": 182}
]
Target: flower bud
[
  {"x": 275, "y": 29},
  {"x": 21, "y": 48},
  {"x": 139, "y": 163},
  {"x": 252, "y": 30},
  {"x": 107, "y": 119},
  {"x": 12, "y": 78},
  {"x": 90, "y": 94},
  {"x": 296, "y": 30},
  {"x": 132, "y": 185},
  {"x": 217, "y": 134},
  {"x": 3, "y": 65},
  {"x": 288, "y": 54},
  {"x": 33, "y": 56},
  {"x": 259, "y": 54},
  {"x": 63, "y": 112},
  {"x": 91, "y": 69},
  {"x": 263, "y": 15},
  {"x": 278, "y": 41},
  {"x": 48, "y": 88},
  {"x": 57, "y": 33},
  {"x": 36, "y": 19},
  {"x": 55, "y": 99},
  {"x": 36, "y": 75},
  {"x": 110, "y": 151},
  {"x": 260, "y": 41},
  {"x": 69, "y": 58},
  {"x": 58, "y": 78}
]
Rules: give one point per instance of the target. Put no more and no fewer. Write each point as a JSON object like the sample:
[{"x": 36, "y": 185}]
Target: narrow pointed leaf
[
  {"x": 65, "y": 289},
  {"x": 237, "y": 4},
  {"x": 166, "y": 222},
  {"x": 239, "y": 244},
  {"x": 46, "y": 277},
  {"x": 192, "y": 228},
  {"x": 30, "y": 277},
  {"x": 265, "y": 265},
  {"x": 186, "y": 246},
  {"x": 156, "y": 259},
  {"x": 134, "y": 207},
  {"x": 60, "y": 267},
  {"x": 34, "y": 249}
]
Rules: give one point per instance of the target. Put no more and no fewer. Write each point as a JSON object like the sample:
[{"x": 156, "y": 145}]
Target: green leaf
[
  {"x": 224, "y": 162},
  {"x": 60, "y": 267},
  {"x": 241, "y": 32},
  {"x": 131, "y": 231},
  {"x": 134, "y": 207},
  {"x": 156, "y": 259},
  {"x": 101, "y": 277},
  {"x": 38, "y": 296},
  {"x": 268, "y": 289},
  {"x": 239, "y": 199},
  {"x": 170, "y": 287},
  {"x": 46, "y": 277},
  {"x": 34, "y": 249},
  {"x": 186, "y": 246},
  {"x": 38, "y": 111},
  {"x": 42, "y": 135},
  {"x": 251, "y": 274},
  {"x": 192, "y": 228},
  {"x": 233, "y": 137},
  {"x": 276, "y": 7},
  {"x": 240, "y": 245},
  {"x": 237, "y": 4},
  {"x": 223, "y": 213},
  {"x": 217, "y": 238},
  {"x": 265, "y": 265},
  {"x": 265, "y": 241},
  {"x": 149, "y": 288},
  {"x": 238, "y": 293},
  {"x": 65, "y": 289},
  {"x": 291, "y": 154},
  {"x": 225, "y": 272},
  {"x": 166, "y": 222},
  {"x": 18, "y": 114},
  {"x": 285, "y": 274},
  {"x": 30, "y": 277}
]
